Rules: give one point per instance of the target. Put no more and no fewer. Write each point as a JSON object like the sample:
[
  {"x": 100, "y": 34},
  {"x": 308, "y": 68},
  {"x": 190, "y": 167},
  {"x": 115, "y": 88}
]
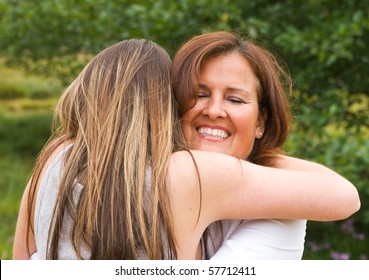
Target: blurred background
[{"x": 44, "y": 44}]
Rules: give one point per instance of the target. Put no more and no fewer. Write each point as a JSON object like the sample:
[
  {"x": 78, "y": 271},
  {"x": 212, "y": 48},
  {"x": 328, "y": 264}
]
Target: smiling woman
[
  {"x": 245, "y": 81},
  {"x": 235, "y": 103},
  {"x": 226, "y": 117}
]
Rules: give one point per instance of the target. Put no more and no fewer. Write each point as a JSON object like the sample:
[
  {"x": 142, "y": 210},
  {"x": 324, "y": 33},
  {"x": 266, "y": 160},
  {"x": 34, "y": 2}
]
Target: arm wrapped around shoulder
[{"x": 229, "y": 188}]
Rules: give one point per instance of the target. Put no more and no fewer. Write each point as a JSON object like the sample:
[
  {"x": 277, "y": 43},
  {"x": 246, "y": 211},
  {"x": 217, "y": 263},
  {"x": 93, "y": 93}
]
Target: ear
[{"x": 260, "y": 126}]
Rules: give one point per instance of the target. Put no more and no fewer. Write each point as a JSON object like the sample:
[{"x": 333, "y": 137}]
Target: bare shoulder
[
  {"x": 24, "y": 246},
  {"x": 191, "y": 166},
  {"x": 203, "y": 178},
  {"x": 182, "y": 172}
]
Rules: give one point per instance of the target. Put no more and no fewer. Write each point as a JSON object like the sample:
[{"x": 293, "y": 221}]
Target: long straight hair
[{"x": 120, "y": 115}]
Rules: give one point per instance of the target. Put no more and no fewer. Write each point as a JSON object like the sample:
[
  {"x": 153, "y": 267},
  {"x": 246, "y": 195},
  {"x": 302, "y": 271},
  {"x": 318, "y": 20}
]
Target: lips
[{"x": 219, "y": 133}]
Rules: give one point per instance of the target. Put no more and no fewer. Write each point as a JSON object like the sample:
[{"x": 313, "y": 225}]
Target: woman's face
[{"x": 226, "y": 116}]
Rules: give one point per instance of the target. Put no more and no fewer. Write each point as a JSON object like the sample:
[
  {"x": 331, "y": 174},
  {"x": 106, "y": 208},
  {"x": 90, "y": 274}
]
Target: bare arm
[
  {"x": 235, "y": 189},
  {"x": 291, "y": 163},
  {"x": 20, "y": 250}
]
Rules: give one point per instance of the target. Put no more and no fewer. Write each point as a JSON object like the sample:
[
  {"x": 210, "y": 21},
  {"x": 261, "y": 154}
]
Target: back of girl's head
[
  {"x": 127, "y": 77},
  {"x": 273, "y": 82},
  {"x": 121, "y": 115}
]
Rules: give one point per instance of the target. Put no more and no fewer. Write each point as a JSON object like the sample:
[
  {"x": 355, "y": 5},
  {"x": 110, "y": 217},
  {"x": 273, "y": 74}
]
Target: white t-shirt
[{"x": 268, "y": 239}]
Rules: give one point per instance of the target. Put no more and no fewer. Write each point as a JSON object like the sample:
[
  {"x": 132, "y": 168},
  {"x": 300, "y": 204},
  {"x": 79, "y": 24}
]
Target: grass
[
  {"x": 26, "y": 103},
  {"x": 23, "y": 133},
  {"x": 14, "y": 173},
  {"x": 18, "y": 84}
]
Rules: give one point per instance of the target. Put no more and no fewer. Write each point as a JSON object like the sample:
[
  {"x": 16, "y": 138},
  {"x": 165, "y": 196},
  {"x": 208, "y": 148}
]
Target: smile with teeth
[{"x": 213, "y": 132}]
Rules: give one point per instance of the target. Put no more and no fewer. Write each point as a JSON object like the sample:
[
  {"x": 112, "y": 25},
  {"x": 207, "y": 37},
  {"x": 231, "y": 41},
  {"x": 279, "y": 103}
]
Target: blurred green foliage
[
  {"x": 15, "y": 170},
  {"x": 20, "y": 84},
  {"x": 24, "y": 128},
  {"x": 24, "y": 134},
  {"x": 323, "y": 42}
]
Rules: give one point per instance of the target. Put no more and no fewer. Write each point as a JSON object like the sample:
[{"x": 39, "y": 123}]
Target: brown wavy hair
[{"x": 273, "y": 85}]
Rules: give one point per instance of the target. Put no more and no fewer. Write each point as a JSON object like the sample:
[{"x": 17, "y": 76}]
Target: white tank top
[{"x": 45, "y": 202}]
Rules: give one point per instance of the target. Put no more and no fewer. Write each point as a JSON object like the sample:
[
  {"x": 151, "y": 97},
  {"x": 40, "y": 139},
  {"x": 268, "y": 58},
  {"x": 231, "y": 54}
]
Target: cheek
[
  {"x": 246, "y": 123},
  {"x": 189, "y": 116}
]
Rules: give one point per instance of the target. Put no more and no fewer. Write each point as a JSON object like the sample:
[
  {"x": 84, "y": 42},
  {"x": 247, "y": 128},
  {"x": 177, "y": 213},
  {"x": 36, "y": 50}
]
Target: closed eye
[
  {"x": 236, "y": 100},
  {"x": 202, "y": 94}
]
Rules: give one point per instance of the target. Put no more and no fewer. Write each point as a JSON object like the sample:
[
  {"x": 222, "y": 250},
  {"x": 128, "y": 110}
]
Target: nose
[{"x": 214, "y": 109}]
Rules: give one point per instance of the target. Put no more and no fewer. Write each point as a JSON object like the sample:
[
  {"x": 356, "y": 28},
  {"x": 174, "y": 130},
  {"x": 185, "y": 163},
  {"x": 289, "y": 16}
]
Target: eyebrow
[{"x": 231, "y": 89}]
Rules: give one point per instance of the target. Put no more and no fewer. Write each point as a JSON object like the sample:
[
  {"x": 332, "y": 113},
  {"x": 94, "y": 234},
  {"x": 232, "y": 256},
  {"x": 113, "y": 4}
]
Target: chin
[{"x": 213, "y": 149}]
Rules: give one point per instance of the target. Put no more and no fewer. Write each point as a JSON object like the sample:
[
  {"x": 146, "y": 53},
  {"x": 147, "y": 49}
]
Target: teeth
[{"x": 213, "y": 132}]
